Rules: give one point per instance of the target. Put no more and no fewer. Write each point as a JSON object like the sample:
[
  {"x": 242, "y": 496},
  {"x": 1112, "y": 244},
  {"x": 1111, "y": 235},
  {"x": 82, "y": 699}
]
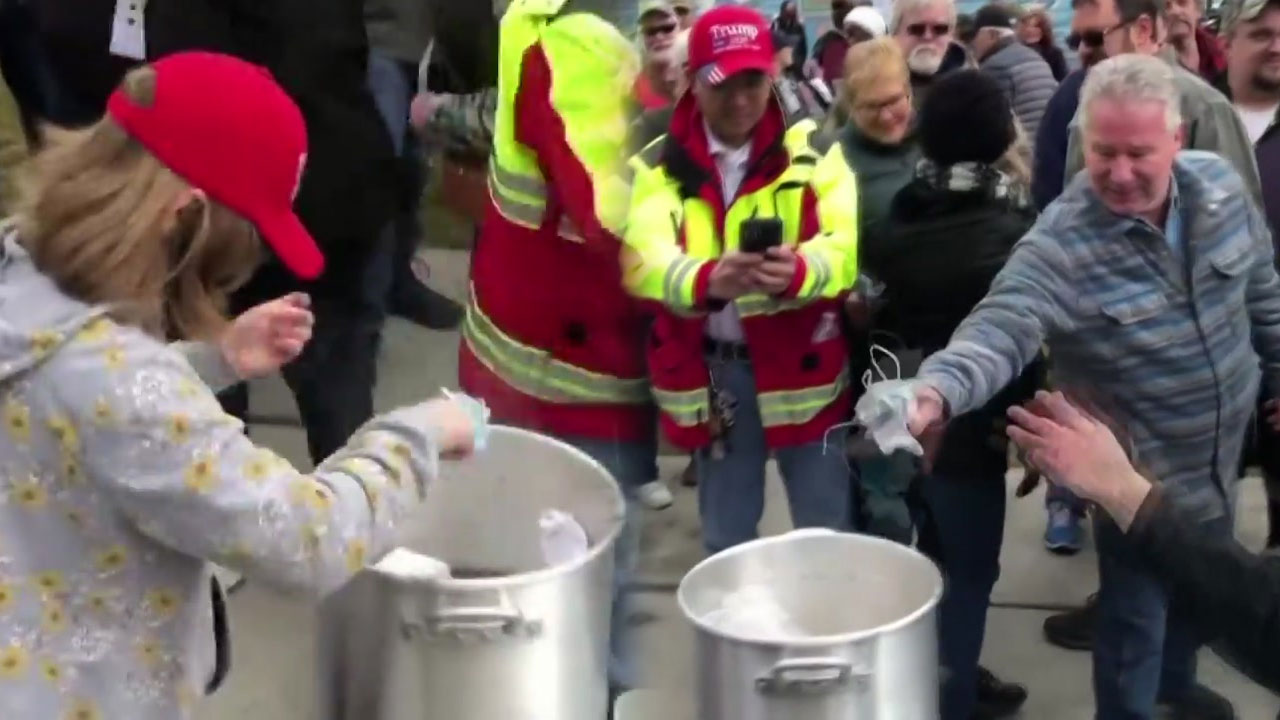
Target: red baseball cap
[
  {"x": 729, "y": 39},
  {"x": 227, "y": 128}
]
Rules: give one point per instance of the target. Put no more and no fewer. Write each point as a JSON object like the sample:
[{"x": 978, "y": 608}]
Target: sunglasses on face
[
  {"x": 656, "y": 30},
  {"x": 1088, "y": 38},
  {"x": 933, "y": 29}
]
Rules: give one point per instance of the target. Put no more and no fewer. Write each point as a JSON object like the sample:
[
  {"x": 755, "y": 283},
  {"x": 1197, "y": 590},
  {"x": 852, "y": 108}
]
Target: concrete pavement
[{"x": 273, "y": 636}]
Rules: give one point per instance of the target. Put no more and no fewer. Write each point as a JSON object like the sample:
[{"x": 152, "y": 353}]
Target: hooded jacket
[{"x": 123, "y": 478}]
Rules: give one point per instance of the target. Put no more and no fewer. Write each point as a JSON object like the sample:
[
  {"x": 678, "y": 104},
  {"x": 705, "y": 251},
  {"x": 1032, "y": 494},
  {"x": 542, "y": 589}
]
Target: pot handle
[
  {"x": 808, "y": 676},
  {"x": 474, "y": 623}
]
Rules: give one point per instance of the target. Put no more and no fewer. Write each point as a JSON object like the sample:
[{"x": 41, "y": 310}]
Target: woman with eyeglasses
[{"x": 1035, "y": 30}]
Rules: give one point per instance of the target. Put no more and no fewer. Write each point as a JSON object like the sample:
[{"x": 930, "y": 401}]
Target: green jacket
[{"x": 1211, "y": 123}]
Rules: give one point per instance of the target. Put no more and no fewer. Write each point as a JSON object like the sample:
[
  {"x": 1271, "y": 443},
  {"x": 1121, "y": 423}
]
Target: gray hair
[
  {"x": 902, "y": 7},
  {"x": 1133, "y": 77}
]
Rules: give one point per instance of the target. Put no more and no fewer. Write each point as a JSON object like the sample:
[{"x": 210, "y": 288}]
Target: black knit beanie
[{"x": 965, "y": 118}]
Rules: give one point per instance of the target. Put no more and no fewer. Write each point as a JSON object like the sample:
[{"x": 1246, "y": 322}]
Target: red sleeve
[
  {"x": 809, "y": 227},
  {"x": 541, "y": 128}
]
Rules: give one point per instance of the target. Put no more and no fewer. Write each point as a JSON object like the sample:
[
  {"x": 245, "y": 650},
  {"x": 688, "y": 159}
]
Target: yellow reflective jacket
[{"x": 679, "y": 225}]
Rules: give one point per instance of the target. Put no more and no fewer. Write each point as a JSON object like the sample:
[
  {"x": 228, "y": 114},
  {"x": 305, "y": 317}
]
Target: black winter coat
[
  {"x": 317, "y": 51},
  {"x": 1233, "y": 593},
  {"x": 941, "y": 249}
]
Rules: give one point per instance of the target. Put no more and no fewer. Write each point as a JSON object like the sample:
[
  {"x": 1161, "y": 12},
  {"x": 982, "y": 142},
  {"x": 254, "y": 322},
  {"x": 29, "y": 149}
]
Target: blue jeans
[
  {"x": 1059, "y": 494},
  {"x": 1143, "y": 649},
  {"x": 393, "y": 83},
  {"x": 632, "y": 464},
  {"x": 731, "y": 489},
  {"x": 962, "y": 528}
]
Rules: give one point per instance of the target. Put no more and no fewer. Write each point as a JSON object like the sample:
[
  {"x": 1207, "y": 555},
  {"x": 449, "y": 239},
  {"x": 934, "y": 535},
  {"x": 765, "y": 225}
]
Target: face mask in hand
[{"x": 884, "y": 410}]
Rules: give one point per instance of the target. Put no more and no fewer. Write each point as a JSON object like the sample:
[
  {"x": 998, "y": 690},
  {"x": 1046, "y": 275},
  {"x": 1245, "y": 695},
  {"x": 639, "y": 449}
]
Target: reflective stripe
[
  {"x": 796, "y": 407},
  {"x": 520, "y": 212},
  {"x": 673, "y": 281},
  {"x": 687, "y": 408},
  {"x": 533, "y": 187},
  {"x": 757, "y": 304},
  {"x": 535, "y": 372},
  {"x": 819, "y": 269}
]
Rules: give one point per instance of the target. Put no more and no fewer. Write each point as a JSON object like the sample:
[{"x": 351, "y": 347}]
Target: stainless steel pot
[
  {"x": 868, "y": 646},
  {"x": 506, "y": 637}
]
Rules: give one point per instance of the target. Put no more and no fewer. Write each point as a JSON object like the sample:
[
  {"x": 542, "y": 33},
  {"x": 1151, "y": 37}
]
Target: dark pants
[
  {"x": 961, "y": 527},
  {"x": 25, "y": 68},
  {"x": 393, "y": 83},
  {"x": 1144, "y": 648},
  {"x": 332, "y": 381}
]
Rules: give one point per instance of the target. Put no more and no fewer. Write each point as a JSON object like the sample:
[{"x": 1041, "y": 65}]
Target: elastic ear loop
[{"x": 868, "y": 379}]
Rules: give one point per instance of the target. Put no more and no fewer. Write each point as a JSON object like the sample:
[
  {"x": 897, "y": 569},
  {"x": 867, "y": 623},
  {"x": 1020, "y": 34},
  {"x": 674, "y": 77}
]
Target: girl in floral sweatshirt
[{"x": 120, "y": 476}]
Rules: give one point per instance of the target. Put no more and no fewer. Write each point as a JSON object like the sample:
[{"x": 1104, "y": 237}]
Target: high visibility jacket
[
  {"x": 551, "y": 340},
  {"x": 679, "y": 224}
]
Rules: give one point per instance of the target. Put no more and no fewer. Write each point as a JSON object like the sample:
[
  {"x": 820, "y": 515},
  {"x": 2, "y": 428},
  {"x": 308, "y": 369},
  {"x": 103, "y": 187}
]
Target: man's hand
[
  {"x": 1079, "y": 452},
  {"x": 267, "y": 336},
  {"x": 775, "y": 273},
  {"x": 731, "y": 277},
  {"x": 928, "y": 416}
]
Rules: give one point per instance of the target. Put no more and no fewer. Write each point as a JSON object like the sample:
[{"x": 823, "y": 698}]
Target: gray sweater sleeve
[
  {"x": 157, "y": 442},
  {"x": 1005, "y": 331}
]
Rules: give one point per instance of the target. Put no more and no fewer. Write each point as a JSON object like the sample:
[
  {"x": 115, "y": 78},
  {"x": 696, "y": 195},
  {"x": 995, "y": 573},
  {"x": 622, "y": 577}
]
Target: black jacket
[
  {"x": 1233, "y": 594},
  {"x": 940, "y": 251},
  {"x": 317, "y": 51}
]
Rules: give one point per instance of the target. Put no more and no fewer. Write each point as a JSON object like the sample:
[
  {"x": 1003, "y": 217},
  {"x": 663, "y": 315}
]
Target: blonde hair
[
  {"x": 99, "y": 215},
  {"x": 874, "y": 61},
  {"x": 1016, "y": 161}
]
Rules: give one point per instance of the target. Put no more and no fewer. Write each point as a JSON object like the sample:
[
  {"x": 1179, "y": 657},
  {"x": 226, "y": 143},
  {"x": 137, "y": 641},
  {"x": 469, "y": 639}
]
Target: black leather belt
[{"x": 724, "y": 351}]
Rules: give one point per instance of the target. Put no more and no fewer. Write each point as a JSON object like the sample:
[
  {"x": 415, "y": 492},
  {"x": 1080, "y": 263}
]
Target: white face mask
[{"x": 884, "y": 408}]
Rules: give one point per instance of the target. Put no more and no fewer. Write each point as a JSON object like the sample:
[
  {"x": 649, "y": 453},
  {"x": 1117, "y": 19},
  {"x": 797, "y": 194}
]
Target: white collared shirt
[{"x": 731, "y": 163}]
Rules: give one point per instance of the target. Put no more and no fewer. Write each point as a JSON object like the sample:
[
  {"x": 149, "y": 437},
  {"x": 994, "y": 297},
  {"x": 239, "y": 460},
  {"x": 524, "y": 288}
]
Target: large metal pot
[
  {"x": 867, "y": 646},
  {"x": 506, "y": 637}
]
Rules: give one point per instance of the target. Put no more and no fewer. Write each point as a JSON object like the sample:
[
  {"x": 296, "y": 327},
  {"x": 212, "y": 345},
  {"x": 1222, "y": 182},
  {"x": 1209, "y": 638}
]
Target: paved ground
[{"x": 274, "y": 643}]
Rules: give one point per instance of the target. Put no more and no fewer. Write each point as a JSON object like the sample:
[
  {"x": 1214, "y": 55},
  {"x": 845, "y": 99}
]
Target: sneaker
[
  {"x": 1073, "y": 630},
  {"x": 997, "y": 698},
  {"x": 655, "y": 495},
  {"x": 1062, "y": 534},
  {"x": 1199, "y": 703}
]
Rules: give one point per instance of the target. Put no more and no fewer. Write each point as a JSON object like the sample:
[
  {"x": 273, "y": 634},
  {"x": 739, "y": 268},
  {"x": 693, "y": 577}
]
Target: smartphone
[{"x": 759, "y": 234}]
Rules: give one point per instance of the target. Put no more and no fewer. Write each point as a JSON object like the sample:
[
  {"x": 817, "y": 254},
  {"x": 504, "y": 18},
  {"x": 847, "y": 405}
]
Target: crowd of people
[{"x": 694, "y": 224}]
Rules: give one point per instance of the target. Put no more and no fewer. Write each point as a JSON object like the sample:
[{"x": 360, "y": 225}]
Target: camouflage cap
[{"x": 1237, "y": 11}]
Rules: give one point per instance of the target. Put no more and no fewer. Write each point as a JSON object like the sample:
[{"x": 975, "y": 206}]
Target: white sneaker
[{"x": 655, "y": 495}]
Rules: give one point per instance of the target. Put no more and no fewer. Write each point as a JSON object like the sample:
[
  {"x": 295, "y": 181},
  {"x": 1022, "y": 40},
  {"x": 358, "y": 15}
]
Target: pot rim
[
  {"x": 533, "y": 577},
  {"x": 813, "y": 641}
]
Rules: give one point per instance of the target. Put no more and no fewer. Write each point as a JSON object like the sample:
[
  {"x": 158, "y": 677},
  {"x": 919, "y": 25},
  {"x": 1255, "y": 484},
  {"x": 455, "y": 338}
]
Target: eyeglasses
[
  {"x": 655, "y": 30},
  {"x": 875, "y": 107},
  {"x": 927, "y": 29},
  {"x": 1088, "y": 38},
  {"x": 681, "y": 10}
]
